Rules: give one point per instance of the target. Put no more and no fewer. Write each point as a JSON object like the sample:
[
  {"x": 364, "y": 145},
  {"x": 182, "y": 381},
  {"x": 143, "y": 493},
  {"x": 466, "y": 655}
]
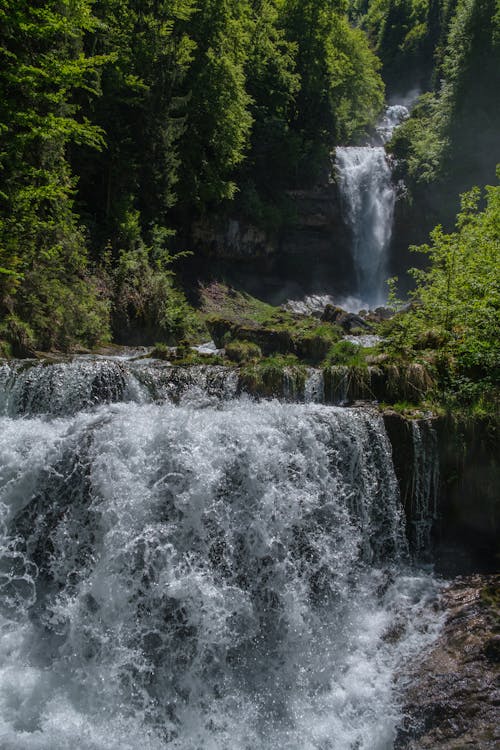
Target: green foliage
[
  {"x": 44, "y": 276},
  {"x": 121, "y": 121},
  {"x": 219, "y": 121},
  {"x": 19, "y": 336},
  {"x": 341, "y": 91},
  {"x": 456, "y": 302},
  {"x": 405, "y": 34},
  {"x": 420, "y": 143},
  {"x": 148, "y": 305},
  {"x": 5, "y": 350},
  {"x": 439, "y": 141},
  {"x": 242, "y": 351}
]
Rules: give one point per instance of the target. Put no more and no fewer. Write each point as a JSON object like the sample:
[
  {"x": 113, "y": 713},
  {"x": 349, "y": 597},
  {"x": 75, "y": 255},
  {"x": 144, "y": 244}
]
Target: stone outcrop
[{"x": 348, "y": 321}]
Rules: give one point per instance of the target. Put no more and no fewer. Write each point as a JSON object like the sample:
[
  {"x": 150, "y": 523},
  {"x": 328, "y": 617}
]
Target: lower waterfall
[{"x": 215, "y": 573}]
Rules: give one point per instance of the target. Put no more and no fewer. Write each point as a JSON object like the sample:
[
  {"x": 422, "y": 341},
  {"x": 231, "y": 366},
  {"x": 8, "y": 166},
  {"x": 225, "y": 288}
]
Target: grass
[{"x": 221, "y": 301}]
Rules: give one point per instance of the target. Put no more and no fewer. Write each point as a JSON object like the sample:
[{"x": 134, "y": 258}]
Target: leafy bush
[
  {"x": 456, "y": 301},
  {"x": 148, "y": 306}
]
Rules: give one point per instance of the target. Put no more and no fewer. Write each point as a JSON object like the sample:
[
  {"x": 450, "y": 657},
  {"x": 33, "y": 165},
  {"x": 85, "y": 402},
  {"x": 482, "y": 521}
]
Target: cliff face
[
  {"x": 308, "y": 254},
  {"x": 467, "y": 532},
  {"x": 451, "y": 468}
]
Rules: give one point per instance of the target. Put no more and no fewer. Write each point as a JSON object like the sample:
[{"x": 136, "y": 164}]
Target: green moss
[
  {"x": 221, "y": 301},
  {"x": 184, "y": 355},
  {"x": 161, "y": 351},
  {"x": 406, "y": 409},
  {"x": 243, "y": 351},
  {"x": 195, "y": 358},
  {"x": 279, "y": 332},
  {"x": 5, "y": 350}
]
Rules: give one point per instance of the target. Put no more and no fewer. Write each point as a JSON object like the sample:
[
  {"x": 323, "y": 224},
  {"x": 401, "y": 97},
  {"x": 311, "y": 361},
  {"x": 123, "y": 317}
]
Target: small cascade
[
  {"x": 424, "y": 485},
  {"x": 416, "y": 461},
  {"x": 292, "y": 385},
  {"x": 61, "y": 389},
  {"x": 314, "y": 390},
  {"x": 171, "y": 383},
  {"x": 368, "y": 197}
]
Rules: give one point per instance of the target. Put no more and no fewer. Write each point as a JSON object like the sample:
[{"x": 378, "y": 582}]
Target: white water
[
  {"x": 368, "y": 197},
  {"x": 216, "y": 574}
]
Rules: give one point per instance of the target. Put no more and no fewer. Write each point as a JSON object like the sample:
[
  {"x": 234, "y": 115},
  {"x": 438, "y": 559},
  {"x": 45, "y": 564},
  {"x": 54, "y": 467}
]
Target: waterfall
[
  {"x": 183, "y": 571},
  {"x": 368, "y": 197},
  {"x": 423, "y": 490}
]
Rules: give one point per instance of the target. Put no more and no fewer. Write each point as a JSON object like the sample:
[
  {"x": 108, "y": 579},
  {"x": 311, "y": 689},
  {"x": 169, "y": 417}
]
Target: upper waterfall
[{"x": 368, "y": 197}]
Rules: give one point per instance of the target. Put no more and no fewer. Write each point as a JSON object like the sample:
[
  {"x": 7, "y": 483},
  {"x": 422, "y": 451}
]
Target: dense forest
[{"x": 122, "y": 122}]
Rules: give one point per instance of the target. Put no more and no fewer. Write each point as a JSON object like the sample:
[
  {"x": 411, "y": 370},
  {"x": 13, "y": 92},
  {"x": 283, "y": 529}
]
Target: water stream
[
  {"x": 186, "y": 569},
  {"x": 368, "y": 197}
]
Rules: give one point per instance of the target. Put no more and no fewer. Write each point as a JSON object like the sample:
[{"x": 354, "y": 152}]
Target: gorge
[{"x": 249, "y": 485}]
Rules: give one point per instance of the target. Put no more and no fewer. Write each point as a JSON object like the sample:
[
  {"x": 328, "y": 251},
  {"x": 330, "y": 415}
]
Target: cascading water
[
  {"x": 368, "y": 197},
  {"x": 215, "y": 574}
]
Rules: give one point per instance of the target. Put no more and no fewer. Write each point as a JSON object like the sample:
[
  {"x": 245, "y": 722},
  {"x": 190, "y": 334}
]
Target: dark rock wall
[
  {"x": 464, "y": 532},
  {"x": 467, "y": 534},
  {"x": 310, "y": 254}
]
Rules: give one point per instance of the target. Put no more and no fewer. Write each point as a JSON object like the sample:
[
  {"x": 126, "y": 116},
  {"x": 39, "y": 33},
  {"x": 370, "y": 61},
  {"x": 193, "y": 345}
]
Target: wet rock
[
  {"x": 379, "y": 314},
  {"x": 452, "y": 696},
  {"x": 468, "y": 533},
  {"x": 348, "y": 321}
]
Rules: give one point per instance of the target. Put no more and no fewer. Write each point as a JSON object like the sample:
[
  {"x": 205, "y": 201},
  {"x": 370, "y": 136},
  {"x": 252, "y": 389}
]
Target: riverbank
[{"x": 452, "y": 693}]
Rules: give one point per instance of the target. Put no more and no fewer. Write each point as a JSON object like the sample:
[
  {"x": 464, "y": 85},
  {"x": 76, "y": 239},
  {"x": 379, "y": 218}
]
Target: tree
[
  {"x": 44, "y": 275},
  {"x": 219, "y": 120},
  {"x": 341, "y": 91}
]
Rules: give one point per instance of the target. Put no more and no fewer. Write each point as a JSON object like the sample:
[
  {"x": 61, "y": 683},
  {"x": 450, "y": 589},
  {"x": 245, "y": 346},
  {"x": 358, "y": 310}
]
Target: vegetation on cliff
[
  {"x": 453, "y": 320},
  {"x": 439, "y": 143}
]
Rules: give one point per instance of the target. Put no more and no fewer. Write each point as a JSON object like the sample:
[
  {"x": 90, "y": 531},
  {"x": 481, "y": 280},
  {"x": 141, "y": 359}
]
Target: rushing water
[
  {"x": 368, "y": 196},
  {"x": 210, "y": 574}
]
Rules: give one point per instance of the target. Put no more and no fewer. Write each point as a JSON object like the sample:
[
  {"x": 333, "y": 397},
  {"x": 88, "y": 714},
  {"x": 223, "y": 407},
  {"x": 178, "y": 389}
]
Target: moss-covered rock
[
  {"x": 275, "y": 377},
  {"x": 283, "y": 334},
  {"x": 243, "y": 351},
  {"x": 385, "y": 383}
]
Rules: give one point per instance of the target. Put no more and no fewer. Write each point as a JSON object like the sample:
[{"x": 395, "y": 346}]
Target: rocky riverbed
[{"x": 452, "y": 695}]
